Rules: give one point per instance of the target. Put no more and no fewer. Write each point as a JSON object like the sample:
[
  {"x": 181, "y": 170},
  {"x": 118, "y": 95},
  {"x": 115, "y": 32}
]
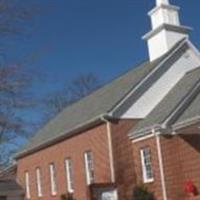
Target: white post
[
  {"x": 161, "y": 2},
  {"x": 161, "y": 166}
]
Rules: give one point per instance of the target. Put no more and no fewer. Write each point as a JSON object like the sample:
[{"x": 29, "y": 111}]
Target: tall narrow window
[
  {"x": 69, "y": 175},
  {"x": 89, "y": 167},
  {"x": 146, "y": 165},
  {"x": 27, "y": 185},
  {"x": 38, "y": 182},
  {"x": 53, "y": 179}
]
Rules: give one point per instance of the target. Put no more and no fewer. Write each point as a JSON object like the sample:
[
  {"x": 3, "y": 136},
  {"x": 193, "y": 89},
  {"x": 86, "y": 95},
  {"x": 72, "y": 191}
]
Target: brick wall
[
  {"x": 154, "y": 186},
  {"x": 123, "y": 158},
  {"x": 181, "y": 160},
  {"x": 181, "y": 156},
  {"x": 94, "y": 139}
]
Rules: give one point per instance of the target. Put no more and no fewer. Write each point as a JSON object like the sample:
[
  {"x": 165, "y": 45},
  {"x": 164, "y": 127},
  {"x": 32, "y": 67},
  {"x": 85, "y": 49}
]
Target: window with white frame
[
  {"x": 38, "y": 182},
  {"x": 27, "y": 185},
  {"x": 53, "y": 179},
  {"x": 146, "y": 165},
  {"x": 89, "y": 167},
  {"x": 69, "y": 175}
]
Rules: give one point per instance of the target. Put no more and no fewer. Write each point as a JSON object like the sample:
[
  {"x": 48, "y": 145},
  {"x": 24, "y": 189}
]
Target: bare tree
[
  {"x": 14, "y": 99},
  {"x": 14, "y": 81},
  {"x": 83, "y": 85},
  {"x": 78, "y": 88},
  {"x": 14, "y": 15}
]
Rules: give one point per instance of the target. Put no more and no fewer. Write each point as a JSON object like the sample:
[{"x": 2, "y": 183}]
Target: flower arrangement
[{"x": 189, "y": 188}]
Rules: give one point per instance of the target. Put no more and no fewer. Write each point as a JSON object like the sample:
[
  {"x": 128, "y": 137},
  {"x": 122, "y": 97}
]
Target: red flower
[{"x": 189, "y": 187}]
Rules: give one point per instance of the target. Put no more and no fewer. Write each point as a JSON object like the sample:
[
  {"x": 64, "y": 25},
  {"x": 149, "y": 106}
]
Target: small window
[
  {"x": 38, "y": 182},
  {"x": 89, "y": 167},
  {"x": 146, "y": 165},
  {"x": 53, "y": 179},
  {"x": 69, "y": 175},
  {"x": 27, "y": 185}
]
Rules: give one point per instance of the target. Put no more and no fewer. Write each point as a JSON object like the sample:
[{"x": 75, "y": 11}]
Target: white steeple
[
  {"x": 164, "y": 2},
  {"x": 166, "y": 29}
]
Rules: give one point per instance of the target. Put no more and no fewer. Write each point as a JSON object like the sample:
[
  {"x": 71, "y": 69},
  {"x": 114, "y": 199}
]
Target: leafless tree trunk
[{"x": 14, "y": 81}]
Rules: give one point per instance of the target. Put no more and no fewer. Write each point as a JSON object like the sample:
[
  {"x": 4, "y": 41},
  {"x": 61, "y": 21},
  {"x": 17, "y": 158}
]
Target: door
[
  {"x": 109, "y": 195},
  {"x": 103, "y": 192}
]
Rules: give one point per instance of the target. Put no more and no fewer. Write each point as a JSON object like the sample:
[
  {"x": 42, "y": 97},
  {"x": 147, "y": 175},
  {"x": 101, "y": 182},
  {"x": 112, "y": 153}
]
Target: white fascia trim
[
  {"x": 110, "y": 147},
  {"x": 146, "y": 78},
  {"x": 186, "y": 123},
  {"x": 146, "y": 137}
]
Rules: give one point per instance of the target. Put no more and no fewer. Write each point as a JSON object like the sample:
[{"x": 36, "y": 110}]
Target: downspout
[
  {"x": 161, "y": 166},
  {"x": 110, "y": 148}
]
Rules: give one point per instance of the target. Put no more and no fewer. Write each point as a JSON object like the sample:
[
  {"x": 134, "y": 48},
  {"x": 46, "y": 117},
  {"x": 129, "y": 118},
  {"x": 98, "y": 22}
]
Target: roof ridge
[{"x": 108, "y": 83}]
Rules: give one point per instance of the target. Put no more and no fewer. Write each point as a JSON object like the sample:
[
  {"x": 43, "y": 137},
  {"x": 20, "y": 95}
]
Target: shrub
[
  {"x": 67, "y": 197},
  {"x": 142, "y": 193},
  {"x": 63, "y": 197}
]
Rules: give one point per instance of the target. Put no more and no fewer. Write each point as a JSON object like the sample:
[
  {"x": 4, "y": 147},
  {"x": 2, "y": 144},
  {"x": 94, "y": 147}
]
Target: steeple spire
[
  {"x": 166, "y": 29},
  {"x": 162, "y": 2}
]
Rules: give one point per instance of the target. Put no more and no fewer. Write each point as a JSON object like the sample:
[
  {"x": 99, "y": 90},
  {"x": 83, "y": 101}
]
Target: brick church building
[{"x": 142, "y": 128}]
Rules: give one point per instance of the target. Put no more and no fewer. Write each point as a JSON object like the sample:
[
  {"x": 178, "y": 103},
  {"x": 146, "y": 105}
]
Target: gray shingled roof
[
  {"x": 101, "y": 102},
  {"x": 192, "y": 111},
  {"x": 169, "y": 103},
  {"x": 91, "y": 107},
  {"x": 9, "y": 185}
]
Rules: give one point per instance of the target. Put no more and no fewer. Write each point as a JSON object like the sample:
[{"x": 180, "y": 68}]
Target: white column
[{"x": 159, "y": 2}]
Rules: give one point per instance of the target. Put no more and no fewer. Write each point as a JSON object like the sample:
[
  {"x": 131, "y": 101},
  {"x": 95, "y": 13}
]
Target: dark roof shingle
[
  {"x": 101, "y": 102},
  {"x": 90, "y": 107}
]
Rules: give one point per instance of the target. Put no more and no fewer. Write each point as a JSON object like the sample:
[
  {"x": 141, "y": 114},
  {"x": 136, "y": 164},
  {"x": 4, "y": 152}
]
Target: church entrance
[
  {"x": 109, "y": 195},
  {"x": 104, "y": 192}
]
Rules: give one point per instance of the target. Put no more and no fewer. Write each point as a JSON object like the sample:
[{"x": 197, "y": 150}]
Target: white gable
[{"x": 145, "y": 104}]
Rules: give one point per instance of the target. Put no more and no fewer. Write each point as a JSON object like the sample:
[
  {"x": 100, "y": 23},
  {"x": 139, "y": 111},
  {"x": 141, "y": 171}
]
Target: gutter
[
  {"x": 161, "y": 166},
  {"x": 110, "y": 148},
  {"x": 63, "y": 136},
  {"x": 144, "y": 132},
  {"x": 186, "y": 123},
  {"x": 177, "y": 126}
]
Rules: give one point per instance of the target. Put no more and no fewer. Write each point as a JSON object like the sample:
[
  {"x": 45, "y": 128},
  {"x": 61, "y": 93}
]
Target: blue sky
[
  {"x": 73, "y": 37},
  {"x": 100, "y": 36}
]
